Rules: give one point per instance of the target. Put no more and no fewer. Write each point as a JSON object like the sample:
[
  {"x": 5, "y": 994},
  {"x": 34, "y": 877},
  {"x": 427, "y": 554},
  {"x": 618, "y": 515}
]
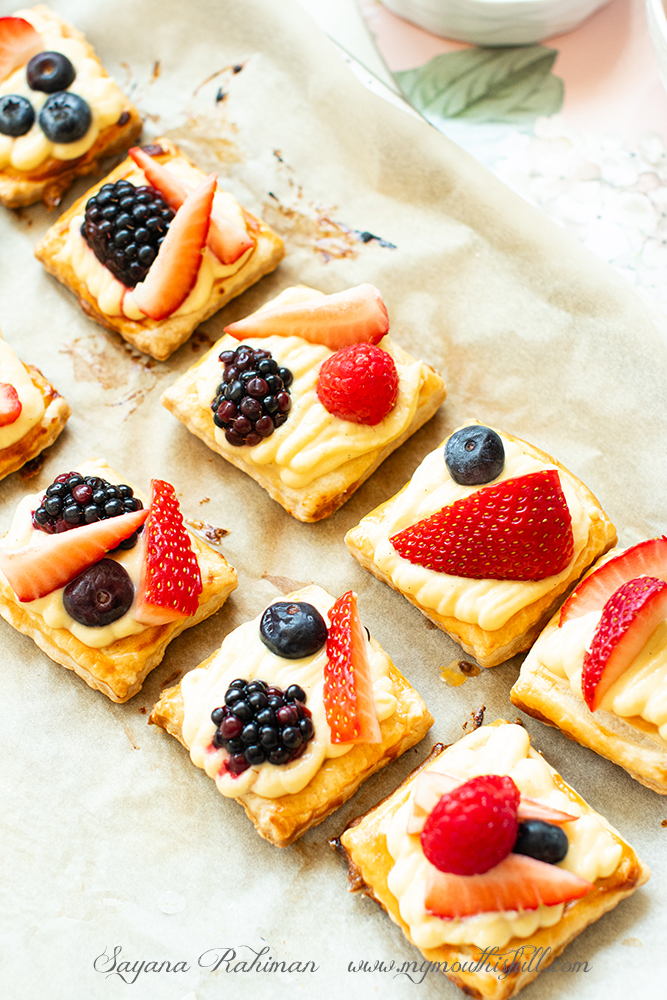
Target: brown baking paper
[{"x": 103, "y": 815}]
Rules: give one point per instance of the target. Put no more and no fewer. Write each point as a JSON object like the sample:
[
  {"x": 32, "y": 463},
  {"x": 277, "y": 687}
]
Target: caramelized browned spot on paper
[
  {"x": 33, "y": 467},
  {"x": 283, "y": 583},
  {"x": 457, "y": 672},
  {"x": 210, "y": 534},
  {"x": 101, "y": 360},
  {"x": 170, "y": 680}
]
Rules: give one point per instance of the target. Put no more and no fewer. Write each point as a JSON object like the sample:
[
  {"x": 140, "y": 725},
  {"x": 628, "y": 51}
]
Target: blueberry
[
  {"x": 474, "y": 455},
  {"x": 100, "y": 595},
  {"x": 65, "y": 117},
  {"x": 16, "y": 115},
  {"x": 49, "y": 72},
  {"x": 541, "y": 840},
  {"x": 292, "y": 629}
]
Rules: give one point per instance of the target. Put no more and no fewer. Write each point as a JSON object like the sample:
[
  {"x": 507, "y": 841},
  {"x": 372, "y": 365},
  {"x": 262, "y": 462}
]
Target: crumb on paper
[
  {"x": 458, "y": 671},
  {"x": 208, "y": 532},
  {"x": 142, "y": 710},
  {"x": 204, "y": 500}
]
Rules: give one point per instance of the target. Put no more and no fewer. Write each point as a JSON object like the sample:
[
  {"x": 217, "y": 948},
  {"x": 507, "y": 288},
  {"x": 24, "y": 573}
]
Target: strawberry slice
[
  {"x": 517, "y": 883},
  {"x": 648, "y": 558},
  {"x": 174, "y": 271},
  {"x": 628, "y": 618},
  {"x": 19, "y": 42},
  {"x": 227, "y": 240},
  {"x": 531, "y": 809},
  {"x": 348, "y": 687},
  {"x": 170, "y": 577},
  {"x": 10, "y": 404},
  {"x": 519, "y": 529},
  {"x": 45, "y": 565},
  {"x": 355, "y": 316}
]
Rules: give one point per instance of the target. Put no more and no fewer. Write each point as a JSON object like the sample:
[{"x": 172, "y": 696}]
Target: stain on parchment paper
[
  {"x": 457, "y": 672},
  {"x": 209, "y": 139},
  {"x": 283, "y": 583},
  {"x": 207, "y": 532},
  {"x": 95, "y": 359}
]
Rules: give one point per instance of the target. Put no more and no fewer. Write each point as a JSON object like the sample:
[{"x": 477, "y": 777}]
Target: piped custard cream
[
  {"x": 51, "y": 607},
  {"x": 594, "y": 847},
  {"x": 487, "y": 603},
  {"x": 313, "y": 441},
  {"x": 113, "y": 298},
  {"x": 14, "y": 372},
  {"x": 101, "y": 93},
  {"x": 243, "y": 654}
]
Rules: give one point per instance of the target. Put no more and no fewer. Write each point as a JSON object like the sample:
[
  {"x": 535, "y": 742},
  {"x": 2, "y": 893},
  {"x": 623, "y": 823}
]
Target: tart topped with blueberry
[{"x": 60, "y": 113}]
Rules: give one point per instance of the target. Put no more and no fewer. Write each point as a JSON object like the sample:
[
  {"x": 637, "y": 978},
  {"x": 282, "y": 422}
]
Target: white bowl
[
  {"x": 497, "y": 22},
  {"x": 657, "y": 29}
]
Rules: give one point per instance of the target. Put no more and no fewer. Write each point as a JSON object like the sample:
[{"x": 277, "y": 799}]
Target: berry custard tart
[
  {"x": 60, "y": 112},
  {"x": 103, "y": 579},
  {"x": 599, "y": 669},
  {"x": 156, "y": 248},
  {"x": 294, "y": 711},
  {"x": 486, "y": 540},
  {"x": 313, "y": 398},
  {"x": 489, "y": 862},
  {"x": 32, "y": 413}
]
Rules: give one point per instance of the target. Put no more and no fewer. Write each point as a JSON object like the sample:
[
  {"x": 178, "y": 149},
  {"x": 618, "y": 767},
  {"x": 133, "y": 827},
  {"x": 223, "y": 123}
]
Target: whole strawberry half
[
  {"x": 628, "y": 618},
  {"x": 170, "y": 577},
  {"x": 520, "y": 529},
  {"x": 348, "y": 687},
  {"x": 358, "y": 383}
]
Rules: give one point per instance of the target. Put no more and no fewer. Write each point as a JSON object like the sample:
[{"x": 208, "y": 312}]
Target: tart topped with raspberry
[{"x": 308, "y": 396}]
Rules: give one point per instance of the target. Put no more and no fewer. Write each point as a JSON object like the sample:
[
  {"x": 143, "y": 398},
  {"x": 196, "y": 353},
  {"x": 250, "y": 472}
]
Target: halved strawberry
[
  {"x": 170, "y": 577},
  {"x": 10, "y": 404},
  {"x": 42, "y": 567},
  {"x": 628, "y": 618},
  {"x": 520, "y": 529},
  {"x": 227, "y": 240},
  {"x": 19, "y": 42},
  {"x": 648, "y": 558},
  {"x": 348, "y": 689},
  {"x": 352, "y": 317},
  {"x": 174, "y": 271},
  {"x": 517, "y": 883}
]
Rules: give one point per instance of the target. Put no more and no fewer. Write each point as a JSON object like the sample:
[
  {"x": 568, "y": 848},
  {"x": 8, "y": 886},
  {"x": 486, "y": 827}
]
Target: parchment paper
[{"x": 101, "y": 814}]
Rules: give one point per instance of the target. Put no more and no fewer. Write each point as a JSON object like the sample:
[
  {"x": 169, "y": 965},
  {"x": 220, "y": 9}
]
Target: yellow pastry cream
[
  {"x": 14, "y": 372},
  {"x": 101, "y": 93},
  {"x": 113, "y": 298},
  {"x": 487, "y": 603},
  {"x": 244, "y": 655},
  {"x": 594, "y": 851}
]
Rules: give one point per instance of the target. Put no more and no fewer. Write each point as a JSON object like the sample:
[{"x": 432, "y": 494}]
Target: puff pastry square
[
  {"x": 284, "y": 816},
  {"x": 525, "y": 946},
  {"x": 117, "y": 667},
  {"x": 491, "y": 619},
  {"x": 45, "y": 171},
  {"x": 65, "y": 254},
  {"x": 315, "y": 461}
]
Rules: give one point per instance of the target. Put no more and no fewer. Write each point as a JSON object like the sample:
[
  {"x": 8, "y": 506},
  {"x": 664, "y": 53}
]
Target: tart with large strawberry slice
[
  {"x": 599, "y": 669},
  {"x": 486, "y": 539},
  {"x": 157, "y": 247},
  {"x": 308, "y": 395},
  {"x": 103, "y": 578},
  {"x": 489, "y": 862},
  {"x": 294, "y": 711}
]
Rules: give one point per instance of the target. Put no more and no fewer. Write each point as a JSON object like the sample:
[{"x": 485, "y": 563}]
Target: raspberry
[
  {"x": 359, "y": 383},
  {"x": 473, "y": 827}
]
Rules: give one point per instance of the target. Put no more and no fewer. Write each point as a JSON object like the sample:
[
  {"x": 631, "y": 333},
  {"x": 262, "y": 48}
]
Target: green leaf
[{"x": 513, "y": 85}]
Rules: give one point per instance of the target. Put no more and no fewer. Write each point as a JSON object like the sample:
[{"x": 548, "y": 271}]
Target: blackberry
[
  {"x": 124, "y": 227},
  {"x": 253, "y": 397},
  {"x": 260, "y": 722},
  {"x": 73, "y": 499}
]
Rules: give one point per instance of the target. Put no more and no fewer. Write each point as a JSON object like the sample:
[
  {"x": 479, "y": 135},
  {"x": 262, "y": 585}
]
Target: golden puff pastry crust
[
  {"x": 284, "y": 819},
  {"x": 159, "y": 338},
  {"x": 363, "y": 845},
  {"x": 56, "y": 414},
  {"x": 51, "y": 179},
  {"x": 519, "y": 633}
]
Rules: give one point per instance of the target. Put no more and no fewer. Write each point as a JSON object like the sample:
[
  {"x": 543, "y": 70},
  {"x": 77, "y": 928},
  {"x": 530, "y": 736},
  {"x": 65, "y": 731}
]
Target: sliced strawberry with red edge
[
  {"x": 173, "y": 273},
  {"x": 532, "y": 809},
  {"x": 520, "y": 529},
  {"x": 629, "y": 617},
  {"x": 170, "y": 576},
  {"x": 338, "y": 320},
  {"x": 517, "y": 883},
  {"x": 348, "y": 686},
  {"x": 227, "y": 240},
  {"x": 37, "y": 569},
  {"x": 19, "y": 42},
  {"x": 648, "y": 558},
  {"x": 10, "y": 404}
]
